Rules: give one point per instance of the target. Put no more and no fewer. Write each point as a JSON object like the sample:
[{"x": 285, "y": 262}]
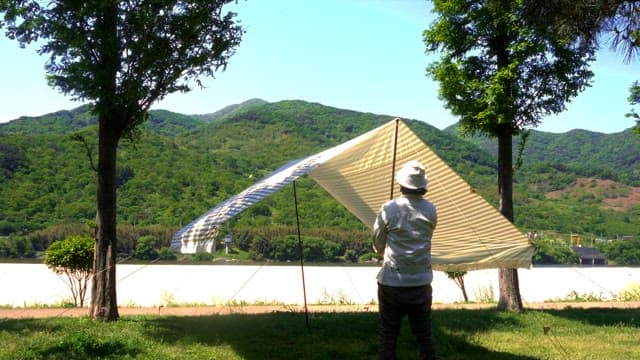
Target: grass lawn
[{"x": 460, "y": 334}]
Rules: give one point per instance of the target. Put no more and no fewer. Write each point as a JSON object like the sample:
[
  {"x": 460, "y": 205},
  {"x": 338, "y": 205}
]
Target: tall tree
[
  {"x": 500, "y": 75},
  {"x": 122, "y": 56}
]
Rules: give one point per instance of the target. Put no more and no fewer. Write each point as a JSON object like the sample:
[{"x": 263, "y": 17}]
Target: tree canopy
[
  {"x": 495, "y": 68},
  {"x": 614, "y": 22},
  {"x": 140, "y": 51},
  {"x": 617, "y": 22}
]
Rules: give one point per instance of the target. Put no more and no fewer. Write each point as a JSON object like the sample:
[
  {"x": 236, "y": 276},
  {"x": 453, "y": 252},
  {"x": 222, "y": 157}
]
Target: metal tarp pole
[
  {"x": 304, "y": 287},
  {"x": 393, "y": 162}
]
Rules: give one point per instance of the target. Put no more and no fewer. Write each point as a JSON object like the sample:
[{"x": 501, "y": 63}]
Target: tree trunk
[
  {"x": 507, "y": 278},
  {"x": 510, "y": 299},
  {"x": 463, "y": 288},
  {"x": 104, "y": 305}
]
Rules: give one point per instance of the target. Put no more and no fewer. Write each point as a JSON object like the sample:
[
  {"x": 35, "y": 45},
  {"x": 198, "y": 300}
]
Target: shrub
[
  {"x": 623, "y": 252},
  {"x": 166, "y": 254},
  {"x": 318, "y": 249},
  {"x": 351, "y": 255},
  {"x": 550, "y": 252},
  {"x": 260, "y": 248},
  {"x": 202, "y": 256},
  {"x": 146, "y": 248},
  {"x": 330, "y": 250},
  {"x": 16, "y": 247},
  {"x": 284, "y": 249},
  {"x": 73, "y": 257},
  {"x": 369, "y": 257}
]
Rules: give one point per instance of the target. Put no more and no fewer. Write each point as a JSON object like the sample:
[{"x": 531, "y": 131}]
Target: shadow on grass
[
  {"x": 329, "y": 336},
  {"x": 30, "y": 325},
  {"x": 600, "y": 316},
  {"x": 460, "y": 334}
]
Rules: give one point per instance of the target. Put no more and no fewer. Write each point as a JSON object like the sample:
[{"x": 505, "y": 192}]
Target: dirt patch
[
  {"x": 225, "y": 310},
  {"x": 626, "y": 202},
  {"x": 613, "y": 195}
]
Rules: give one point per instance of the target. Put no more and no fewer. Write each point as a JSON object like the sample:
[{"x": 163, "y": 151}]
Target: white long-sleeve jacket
[{"x": 402, "y": 231}]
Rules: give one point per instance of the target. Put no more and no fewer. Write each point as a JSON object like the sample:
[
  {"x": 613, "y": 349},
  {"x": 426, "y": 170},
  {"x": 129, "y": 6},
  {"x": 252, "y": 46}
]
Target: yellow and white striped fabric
[{"x": 471, "y": 234}]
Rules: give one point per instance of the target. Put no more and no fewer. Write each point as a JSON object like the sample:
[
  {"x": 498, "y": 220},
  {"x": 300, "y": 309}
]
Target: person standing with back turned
[{"x": 402, "y": 232}]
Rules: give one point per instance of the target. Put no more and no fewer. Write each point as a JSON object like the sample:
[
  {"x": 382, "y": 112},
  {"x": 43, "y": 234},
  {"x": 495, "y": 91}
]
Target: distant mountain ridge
[
  {"x": 59, "y": 122},
  {"x": 610, "y": 156},
  {"x": 230, "y": 110},
  {"x": 185, "y": 164},
  {"x": 162, "y": 121}
]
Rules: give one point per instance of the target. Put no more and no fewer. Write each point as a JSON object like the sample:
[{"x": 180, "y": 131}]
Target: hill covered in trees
[{"x": 182, "y": 165}]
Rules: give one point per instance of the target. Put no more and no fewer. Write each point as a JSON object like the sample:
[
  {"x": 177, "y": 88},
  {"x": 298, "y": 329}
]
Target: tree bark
[
  {"x": 510, "y": 299},
  {"x": 104, "y": 305}
]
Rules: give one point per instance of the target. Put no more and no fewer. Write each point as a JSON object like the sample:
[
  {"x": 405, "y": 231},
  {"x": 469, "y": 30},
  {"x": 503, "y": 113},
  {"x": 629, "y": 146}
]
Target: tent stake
[
  {"x": 304, "y": 287},
  {"x": 393, "y": 162}
]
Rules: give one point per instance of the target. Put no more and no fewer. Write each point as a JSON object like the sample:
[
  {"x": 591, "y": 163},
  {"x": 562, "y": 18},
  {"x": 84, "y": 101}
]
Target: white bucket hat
[{"x": 412, "y": 176}]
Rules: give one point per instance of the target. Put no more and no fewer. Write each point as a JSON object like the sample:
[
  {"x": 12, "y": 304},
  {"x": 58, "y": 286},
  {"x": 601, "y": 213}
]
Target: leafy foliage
[
  {"x": 11, "y": 159},
  {"x": 16, "y": 247},
  {"x": 623, "y": 252},
  {"x": 590, "y": 21},
  {"x": 73, "y": 257},
  {"x": 498, "y": 69},
  {"x": 553, "y": 252},
  {"x": 634, "y": 99},
  {"x": 146, "y": 248},
  {"x": 319, "y": 245}
]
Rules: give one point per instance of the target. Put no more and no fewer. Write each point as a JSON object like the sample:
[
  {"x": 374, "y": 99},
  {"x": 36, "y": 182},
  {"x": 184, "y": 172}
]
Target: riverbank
[{"x": 34, "y": 313}]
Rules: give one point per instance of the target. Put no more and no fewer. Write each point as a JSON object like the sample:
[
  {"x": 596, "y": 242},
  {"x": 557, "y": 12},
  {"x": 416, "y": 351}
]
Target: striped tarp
[{"x": 471, "y": 234}]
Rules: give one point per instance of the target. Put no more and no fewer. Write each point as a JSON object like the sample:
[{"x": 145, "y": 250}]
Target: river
[{"x": 154, "y": 285}]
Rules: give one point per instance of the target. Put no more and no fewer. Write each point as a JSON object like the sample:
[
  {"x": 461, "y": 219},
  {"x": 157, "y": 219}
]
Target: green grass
[{"x": 460, "y": 334}]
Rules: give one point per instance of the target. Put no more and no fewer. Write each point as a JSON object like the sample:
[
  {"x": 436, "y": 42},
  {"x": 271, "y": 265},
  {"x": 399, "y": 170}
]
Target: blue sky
[{"x": 363, "y": 55}]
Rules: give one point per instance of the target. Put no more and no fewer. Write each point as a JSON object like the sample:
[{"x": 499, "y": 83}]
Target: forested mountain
[
  {"x": 585, "y": 153},
  {"x": 183, "y": 165}
]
